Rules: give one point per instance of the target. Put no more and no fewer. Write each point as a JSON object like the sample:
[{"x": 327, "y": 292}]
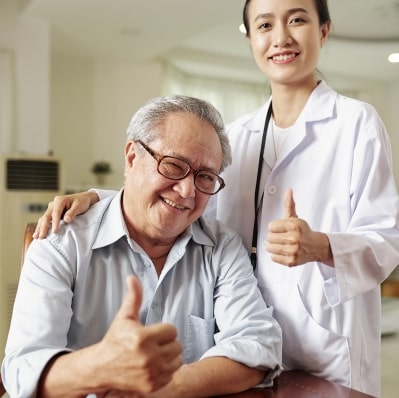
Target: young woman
[
  {"x": 333, "y": 154},
  {"x": 311, "y": 192}
]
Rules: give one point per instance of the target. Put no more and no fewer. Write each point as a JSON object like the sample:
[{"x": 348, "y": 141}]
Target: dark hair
[{"x": 321, "y": 7}]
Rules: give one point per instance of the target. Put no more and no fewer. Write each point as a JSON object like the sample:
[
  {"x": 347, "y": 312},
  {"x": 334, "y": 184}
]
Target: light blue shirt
[{"x": 73, "y": 283}]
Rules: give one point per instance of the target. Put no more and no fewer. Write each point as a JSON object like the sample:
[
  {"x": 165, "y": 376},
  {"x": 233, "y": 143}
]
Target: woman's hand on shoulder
[{"x": 66, "y": 208}]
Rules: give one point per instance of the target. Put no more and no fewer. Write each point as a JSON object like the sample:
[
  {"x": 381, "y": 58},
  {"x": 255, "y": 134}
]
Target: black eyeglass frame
[{"x": 196, "y": 172}]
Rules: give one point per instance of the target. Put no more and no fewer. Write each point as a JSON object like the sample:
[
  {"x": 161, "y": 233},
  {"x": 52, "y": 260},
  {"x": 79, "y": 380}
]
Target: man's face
[{"x": 154, "y": 206}]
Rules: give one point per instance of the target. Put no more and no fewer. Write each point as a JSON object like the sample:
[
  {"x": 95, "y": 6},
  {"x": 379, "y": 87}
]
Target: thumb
[
  {"x": 131, "y": 303},
  {"x": 289, "y": 204}
]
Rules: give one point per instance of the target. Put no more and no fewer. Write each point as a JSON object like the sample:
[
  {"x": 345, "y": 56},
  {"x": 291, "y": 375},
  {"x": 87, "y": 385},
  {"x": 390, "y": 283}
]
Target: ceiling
[{"x": 202, "y": 37}]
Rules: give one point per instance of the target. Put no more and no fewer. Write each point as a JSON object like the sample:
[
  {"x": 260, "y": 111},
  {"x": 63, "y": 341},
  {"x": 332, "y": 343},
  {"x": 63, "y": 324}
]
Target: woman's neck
[{"x": 289, "y": 101}]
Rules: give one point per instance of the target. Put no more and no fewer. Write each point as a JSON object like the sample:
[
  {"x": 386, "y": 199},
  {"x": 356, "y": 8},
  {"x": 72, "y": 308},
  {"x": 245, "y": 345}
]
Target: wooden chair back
[
  {"x": 2, "y": 389},
  {"x": 390, "y": 288}
]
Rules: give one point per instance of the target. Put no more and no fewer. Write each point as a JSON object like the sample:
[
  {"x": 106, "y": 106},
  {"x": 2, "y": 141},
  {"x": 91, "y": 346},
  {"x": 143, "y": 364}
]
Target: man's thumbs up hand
[{"x": 134, "y": 357}]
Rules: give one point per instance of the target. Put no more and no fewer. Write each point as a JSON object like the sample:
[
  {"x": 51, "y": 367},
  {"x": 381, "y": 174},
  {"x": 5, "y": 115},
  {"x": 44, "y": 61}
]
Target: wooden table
[{"x": 299, "y": 384}]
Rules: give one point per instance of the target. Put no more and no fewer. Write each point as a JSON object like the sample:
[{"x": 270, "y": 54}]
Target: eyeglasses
[{"x": 177, "y": 169}]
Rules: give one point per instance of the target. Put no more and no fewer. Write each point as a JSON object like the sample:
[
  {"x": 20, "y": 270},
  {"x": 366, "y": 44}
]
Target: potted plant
[{"x": 100, "y": 169}]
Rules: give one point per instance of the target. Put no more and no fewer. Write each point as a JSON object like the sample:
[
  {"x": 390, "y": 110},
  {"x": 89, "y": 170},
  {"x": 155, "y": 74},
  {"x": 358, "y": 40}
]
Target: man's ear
[{"x": 130, "y": 154}]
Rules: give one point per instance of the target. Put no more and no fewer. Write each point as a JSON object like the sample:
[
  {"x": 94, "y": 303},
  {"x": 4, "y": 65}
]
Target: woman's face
[{"x": 286, "y": 38}]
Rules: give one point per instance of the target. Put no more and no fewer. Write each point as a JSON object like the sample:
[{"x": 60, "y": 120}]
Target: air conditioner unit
[{"x": 27, "y": 184}]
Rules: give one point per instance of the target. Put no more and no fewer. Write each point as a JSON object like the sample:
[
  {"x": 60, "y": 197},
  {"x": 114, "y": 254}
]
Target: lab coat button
[{"x": 271, "y": 190}]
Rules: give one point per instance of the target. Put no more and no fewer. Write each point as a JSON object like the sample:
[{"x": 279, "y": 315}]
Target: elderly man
[{"x": 76, "y": 330}]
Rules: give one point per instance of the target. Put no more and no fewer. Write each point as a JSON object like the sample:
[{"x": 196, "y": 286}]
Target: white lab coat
[{"x": 338, "y": 163}]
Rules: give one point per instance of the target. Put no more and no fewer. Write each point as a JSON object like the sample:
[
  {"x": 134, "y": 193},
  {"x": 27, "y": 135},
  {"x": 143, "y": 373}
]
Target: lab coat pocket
[
  {"x": 307, "y": 343},
  {"x": 317, "y": 349},
  {"x": 199, "y": 337}
]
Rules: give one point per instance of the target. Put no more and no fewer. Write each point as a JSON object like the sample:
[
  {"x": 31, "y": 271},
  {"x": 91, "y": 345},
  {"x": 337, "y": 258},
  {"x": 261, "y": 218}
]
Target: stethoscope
[{"x": 256, "y": 197}]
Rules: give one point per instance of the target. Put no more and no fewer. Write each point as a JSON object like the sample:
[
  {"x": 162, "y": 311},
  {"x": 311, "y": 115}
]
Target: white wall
[
  {"x": 72, "y": 116},
  {"x": 32, "y": 86},
  {"x": 91, "y": 106},
  {"x": 119, "y": 91},
  {"x": 27, "y": 41}
]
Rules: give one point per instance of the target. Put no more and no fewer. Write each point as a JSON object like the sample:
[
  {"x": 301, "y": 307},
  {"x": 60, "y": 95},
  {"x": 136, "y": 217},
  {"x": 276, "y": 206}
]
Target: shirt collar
[
  {"x": 321, "y": 100},
  {"x": 113, "y": 227},
  {"x": 201, "y": 232},
  {"x": 320, "y": 105}
]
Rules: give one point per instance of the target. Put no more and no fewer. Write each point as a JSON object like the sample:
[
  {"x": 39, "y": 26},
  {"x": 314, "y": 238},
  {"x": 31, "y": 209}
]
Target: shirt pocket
[{"x": 198, "y": 338}]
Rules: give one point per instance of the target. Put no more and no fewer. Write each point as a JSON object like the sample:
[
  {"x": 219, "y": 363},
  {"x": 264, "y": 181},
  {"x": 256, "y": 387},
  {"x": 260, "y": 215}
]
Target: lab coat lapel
[{"x": 320, "y": 100}]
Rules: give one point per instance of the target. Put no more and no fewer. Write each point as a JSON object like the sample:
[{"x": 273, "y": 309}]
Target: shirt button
[{"x": 271, "y": 190}]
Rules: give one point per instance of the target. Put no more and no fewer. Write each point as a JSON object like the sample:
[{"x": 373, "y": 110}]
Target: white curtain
[{"x": 232, "y": 99}]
